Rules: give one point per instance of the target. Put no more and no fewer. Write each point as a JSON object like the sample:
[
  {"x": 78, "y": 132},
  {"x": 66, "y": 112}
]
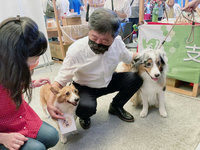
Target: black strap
[
  {"x": 131, "y": 2},
  {"x": 112, "y": 5},
  {"x": 87, "y": 13}
]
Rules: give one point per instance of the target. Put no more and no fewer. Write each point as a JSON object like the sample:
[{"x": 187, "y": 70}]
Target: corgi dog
[{"x": 66, "y": 100}]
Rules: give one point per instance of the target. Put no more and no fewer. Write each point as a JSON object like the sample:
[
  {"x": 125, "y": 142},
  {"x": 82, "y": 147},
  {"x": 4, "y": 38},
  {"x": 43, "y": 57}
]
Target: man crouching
[{"x": 90, "y": 63}]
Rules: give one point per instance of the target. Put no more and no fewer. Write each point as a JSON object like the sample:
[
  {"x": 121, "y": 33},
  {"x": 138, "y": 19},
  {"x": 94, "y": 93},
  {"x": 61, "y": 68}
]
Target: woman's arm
[{"x": 40, "y": 82}]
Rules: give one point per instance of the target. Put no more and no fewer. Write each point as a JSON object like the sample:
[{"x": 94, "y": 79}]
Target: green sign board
[{"x": 183, "y": 50}]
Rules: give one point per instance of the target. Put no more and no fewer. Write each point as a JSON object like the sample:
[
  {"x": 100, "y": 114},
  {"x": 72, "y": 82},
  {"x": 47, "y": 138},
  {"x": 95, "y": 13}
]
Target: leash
[
  {"x": 192, "y": 30},
  {"x": 175, "y": 23},
  {"x": 135, "y": 29},
  {"x": 170, "y": 30}
]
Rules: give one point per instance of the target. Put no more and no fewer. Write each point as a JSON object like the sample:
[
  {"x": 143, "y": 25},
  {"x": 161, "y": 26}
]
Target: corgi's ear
[
  {"x": 54, "y": 91},
  {"x": 71, "y": 85},
  {"x": 60, "y": 99}
]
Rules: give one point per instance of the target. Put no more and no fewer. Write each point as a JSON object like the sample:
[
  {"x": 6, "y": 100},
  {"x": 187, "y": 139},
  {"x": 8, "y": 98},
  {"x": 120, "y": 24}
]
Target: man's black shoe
[
  {"x": 121, "y": 113},
  {"x": 85, "y": 123}
]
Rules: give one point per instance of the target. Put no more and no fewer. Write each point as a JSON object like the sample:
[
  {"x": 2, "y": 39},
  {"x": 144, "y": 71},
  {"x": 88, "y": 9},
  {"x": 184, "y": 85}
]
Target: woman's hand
[
  {"x": 191, "y": 5},
  {"x": 13, "y": 141},
  {"x": 40, "y": 82}
]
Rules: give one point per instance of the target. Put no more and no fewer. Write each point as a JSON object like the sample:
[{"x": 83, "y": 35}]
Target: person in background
[
  {"x": 121, "y": 7},
  {"x": 134, "y": 17},
  {"x": 75, "y": 6},
  {"x": 48, "y": 9},
  {"x": 90, "y": 63},
  {"x": 191, "y": 5},
  {"x": 21, "y": 44},
  {"x": 160, "y": 8},
  {"x": 123, "y": 10},
  {"x": 62, "y": 7},
  {"x": 173, "y": 9},
  {"x": 94, "y": 4}
]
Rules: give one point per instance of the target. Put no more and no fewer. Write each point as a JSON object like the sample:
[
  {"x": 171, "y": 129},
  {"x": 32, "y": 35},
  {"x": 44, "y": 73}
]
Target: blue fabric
[
  {"x": 47, "y": 137},
  {"x": 179, "y": 2},
  {"x": 75, "y": 4}
]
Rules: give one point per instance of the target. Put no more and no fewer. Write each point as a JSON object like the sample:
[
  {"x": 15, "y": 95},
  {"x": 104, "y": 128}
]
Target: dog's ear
[
  {"x": 69, "y": 83},
  {"x": 137, "y": 61},
  {"x": 163, "y": 56},
  {"x": 54, "y": 91},
  {"x": 61, "y": 99}
]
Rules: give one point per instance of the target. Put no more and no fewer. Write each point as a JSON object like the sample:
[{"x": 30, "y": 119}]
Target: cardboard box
[
  {"x": 55, "y": 49},
  {"x": 51, "y": 23},
  {"x": 71, "y": 21}
]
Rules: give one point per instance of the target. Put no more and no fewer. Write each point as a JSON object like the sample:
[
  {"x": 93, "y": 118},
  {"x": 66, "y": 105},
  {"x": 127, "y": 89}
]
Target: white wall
[{"x": 28, "y": 8}]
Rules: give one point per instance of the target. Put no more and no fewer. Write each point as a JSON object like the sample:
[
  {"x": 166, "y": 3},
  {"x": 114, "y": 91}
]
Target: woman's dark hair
[
  {"x": 104, "y": 21},
  {"x": 19, "y": 39}
]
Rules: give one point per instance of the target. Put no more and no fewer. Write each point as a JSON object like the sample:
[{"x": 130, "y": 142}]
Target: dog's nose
[
  {"x": 77, "y": 99},
  {"x": 157, "y": 75}
]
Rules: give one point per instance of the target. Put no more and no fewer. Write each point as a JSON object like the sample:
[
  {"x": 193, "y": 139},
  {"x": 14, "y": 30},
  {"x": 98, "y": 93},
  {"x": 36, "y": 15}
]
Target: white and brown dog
[
  {"x": 152, "y": 67},
  {"x": 66, "y": 100}
]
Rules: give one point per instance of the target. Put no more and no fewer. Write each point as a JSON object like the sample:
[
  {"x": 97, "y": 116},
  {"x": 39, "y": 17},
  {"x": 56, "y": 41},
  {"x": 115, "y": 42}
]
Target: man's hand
[
  {"x": 55, "y": 112},
  {"x": 13, "y": 141},
  {"x": 191, "y": 5}
]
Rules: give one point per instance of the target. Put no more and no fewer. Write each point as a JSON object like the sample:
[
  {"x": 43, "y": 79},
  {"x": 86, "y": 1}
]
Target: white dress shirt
[
  {"x": 85, "y": 67},
  {"x": 123, "y": 6}
]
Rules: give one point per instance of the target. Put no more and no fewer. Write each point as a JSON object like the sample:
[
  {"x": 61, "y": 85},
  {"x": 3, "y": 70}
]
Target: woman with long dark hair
[{"x": 21, "y": 44}]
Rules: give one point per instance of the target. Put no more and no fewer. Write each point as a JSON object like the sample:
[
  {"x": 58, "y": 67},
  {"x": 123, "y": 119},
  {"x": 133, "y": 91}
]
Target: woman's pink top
[{"x": 22, "y": 120}]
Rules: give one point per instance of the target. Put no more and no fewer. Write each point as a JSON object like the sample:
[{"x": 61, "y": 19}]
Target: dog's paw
[
  {"x": 163, "y": 113},
  {"x": 63, "y": 139},
  {"x": 143, "y": 113}
]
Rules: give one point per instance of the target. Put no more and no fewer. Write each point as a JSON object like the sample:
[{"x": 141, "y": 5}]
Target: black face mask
[{"x": 98, "y": 48}]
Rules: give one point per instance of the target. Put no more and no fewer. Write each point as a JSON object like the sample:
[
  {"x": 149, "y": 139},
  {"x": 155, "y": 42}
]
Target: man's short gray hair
[{"x": 104, "y": 21}]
